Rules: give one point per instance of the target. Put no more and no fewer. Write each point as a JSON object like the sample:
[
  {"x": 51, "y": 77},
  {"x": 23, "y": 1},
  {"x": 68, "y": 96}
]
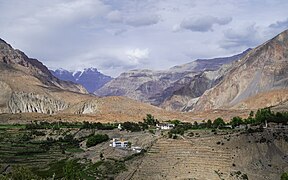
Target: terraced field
[
  {"x": 183, "y": 159},
  {"x": 15, "y": 150}
]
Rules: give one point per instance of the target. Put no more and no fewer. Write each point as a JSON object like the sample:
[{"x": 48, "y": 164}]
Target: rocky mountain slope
[
  {"x": 158, "y": 87},
  {"x": 258, "y": 79},
  {"x": 90, "y": 78},
  {"x": 28, "y": 86}
]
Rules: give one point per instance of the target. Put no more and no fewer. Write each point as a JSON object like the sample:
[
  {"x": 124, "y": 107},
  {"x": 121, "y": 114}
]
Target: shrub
[
  {"x": 131, "y": 126},
  {"x": 96, "y": 139},
  {"x": 244, "y": 177},
  {"x": 284, "y": 176},
  {"x": 178, "y": 130}
]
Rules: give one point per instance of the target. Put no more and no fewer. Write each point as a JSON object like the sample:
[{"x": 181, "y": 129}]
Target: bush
[
  {"x": 284, "y": 176},
  {"x": 178, "y": 130},
  {"x": 131, "y": 126},
  {"x": 244, "y": 177},
  {"x": 96, "y": 139},
  {"x": 98, "y": 125}
]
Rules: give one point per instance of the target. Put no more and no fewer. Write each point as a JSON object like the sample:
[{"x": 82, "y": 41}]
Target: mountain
[
  {"x": 28, "y": 86},
  {"x": 29, "y": 91},
  {"x": 157, "y": 87},
  {"x": 90, "y": 78},
  {"x": 259, "y": 79}
]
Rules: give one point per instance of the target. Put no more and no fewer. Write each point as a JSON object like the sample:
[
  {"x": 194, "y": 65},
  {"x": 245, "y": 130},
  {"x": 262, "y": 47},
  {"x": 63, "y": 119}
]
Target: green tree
[
  {"x": 131, "y": 126},
  {"x": 251, "y": 114},
  {"x": 236, "y": 121},
  {"x": 195, "y": 125},
  {"x": 96, "y": 139},
  {"x": 150, "y": 120},
  {"x": 218, "y": 123},
  {"x": 209, "y": 123},
  {"x": 263, "y": 115}
]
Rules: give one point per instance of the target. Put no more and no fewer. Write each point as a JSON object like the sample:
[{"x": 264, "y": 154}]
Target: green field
[{"x": 21, "y": 149}]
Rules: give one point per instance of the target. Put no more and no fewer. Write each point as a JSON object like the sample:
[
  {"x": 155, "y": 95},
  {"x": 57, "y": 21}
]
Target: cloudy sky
[{"x": 119, "y": 35}]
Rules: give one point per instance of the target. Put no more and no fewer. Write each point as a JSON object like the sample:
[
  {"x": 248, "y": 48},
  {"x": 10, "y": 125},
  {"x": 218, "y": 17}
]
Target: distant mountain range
[
  {"x": 254, "y": 79},
  {"x": 90, "y": 78},
  {"x": 171, "y": 89}
]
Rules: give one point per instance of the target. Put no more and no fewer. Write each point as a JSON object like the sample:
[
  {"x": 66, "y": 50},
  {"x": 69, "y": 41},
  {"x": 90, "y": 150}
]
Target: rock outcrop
[{"x": 29, "y": 102}]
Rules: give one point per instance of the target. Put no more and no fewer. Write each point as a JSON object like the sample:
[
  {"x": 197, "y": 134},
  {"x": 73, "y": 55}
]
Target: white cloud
[
  {"x": 115, "y": 36},
  {"x": 144, "y": 20},
  {"x": 242, "y": 37},
  {"x": 137, "y": 55},
  {"x": 115, "y": 16},
  {"x": 204, "y": 23}
]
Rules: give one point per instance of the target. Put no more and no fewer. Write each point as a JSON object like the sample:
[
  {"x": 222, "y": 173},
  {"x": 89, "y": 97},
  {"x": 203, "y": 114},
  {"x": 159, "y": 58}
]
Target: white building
[
  {"x": 165, "y": 126},
  {"x": 116, "y": 142}
]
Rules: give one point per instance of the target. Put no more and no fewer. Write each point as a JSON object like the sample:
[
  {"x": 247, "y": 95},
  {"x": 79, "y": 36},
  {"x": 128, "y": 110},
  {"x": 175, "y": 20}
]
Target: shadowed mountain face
[
  {"x": 160, "y": 88},
  {"x": 90, "y": 78},
  {"x": 258, "y": 79}
]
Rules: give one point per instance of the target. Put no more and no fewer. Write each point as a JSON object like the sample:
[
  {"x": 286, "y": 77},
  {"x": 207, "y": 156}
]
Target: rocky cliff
[
  {"x": 29, "y": 102},
  {"x": 264, "y": 70}
]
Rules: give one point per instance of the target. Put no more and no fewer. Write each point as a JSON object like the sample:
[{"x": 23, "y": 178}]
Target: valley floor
[{"x": 198, "y": 154}]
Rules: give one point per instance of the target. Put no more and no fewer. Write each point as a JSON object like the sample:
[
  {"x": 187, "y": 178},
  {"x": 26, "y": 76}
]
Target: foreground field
[
  {"x": 60, "y": 151},
  {"x": 252, "y": 148}
]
